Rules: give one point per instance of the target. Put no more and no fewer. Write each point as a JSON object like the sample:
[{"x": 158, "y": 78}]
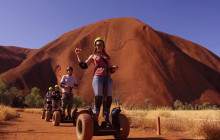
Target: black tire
[
  {"x": 43, "y": 115},
  {"x": 124, "y": 127},
  {"x": 84, "y": 127},
  {"x": 56, "y": 119},
  {"x": 47, "y": 116}
]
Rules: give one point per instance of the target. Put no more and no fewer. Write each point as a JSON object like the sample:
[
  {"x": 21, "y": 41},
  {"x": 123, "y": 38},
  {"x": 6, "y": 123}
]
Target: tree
[
  {"x": 34, "y": 99},
  {"x": 178, "y": 105},
  {"x": 8, "y": 96},
  {"x": 3, "y": 88}
]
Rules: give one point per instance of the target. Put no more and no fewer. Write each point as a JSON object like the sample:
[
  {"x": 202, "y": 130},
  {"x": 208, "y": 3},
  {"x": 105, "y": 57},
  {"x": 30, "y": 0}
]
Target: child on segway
[
  {"x": 48, "y": 101},
  {"x": 48, "y": 98},
  {"x": 56, "y": 97}
]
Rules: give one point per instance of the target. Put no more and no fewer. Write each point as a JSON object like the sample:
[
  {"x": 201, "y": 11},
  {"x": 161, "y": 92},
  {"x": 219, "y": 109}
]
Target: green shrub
[
  {"x": 207, "y": 106},
  {"x": 34, "y": 99},
  {"x": 178, "y": 105},
  {"x": 149, "y": 106},
  {"x": 3, "y": 88},
  {"x": 188, "y": 106},
  {"x": 12, "y": 96}
]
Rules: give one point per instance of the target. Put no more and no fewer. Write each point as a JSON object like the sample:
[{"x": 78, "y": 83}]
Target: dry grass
[
  {"x": 177, "y": 121},
  {"x": 7, "y": 113},
  {"x": 209, "y": 130},
  {"x": 30, "y": 110}
]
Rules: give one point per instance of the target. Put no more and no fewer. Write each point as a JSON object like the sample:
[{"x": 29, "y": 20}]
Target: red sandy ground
[{"x": 31, "y": 127}]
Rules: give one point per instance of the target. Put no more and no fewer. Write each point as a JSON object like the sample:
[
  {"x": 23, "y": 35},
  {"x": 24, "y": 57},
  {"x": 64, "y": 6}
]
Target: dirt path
[{"x": 31, "y": 127}]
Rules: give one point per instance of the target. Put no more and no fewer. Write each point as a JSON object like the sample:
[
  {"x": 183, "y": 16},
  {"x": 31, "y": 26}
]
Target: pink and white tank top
[{"x": 100, "y": 65}]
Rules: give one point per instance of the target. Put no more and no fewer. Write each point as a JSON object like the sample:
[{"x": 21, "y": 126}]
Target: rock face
[
  {"x": 11, "y": 57},
  {"x": 152, "y": 65}
]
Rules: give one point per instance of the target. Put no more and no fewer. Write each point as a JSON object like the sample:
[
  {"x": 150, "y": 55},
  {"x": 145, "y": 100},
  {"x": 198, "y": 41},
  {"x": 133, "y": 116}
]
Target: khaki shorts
[{"x": 67, "y": 99}]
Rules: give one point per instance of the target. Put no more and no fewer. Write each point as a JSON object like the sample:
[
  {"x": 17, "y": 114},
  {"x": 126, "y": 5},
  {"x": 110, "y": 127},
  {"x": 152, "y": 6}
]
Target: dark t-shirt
[{"x": 56, "y": 95}]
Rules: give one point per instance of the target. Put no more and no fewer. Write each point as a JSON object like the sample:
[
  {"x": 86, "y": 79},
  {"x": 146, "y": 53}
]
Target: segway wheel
[
  {"x": 124, "y": 127},
  {"x": 84, "y": 127},
  {"x": 43, "y": 115},
  {"x": 47, "y": 116},
  {"x": 56, "y": 119}
]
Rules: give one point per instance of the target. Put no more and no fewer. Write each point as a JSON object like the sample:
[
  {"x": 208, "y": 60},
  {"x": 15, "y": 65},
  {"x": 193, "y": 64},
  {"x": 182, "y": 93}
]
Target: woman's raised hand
[{"x": 78, "y": 51}]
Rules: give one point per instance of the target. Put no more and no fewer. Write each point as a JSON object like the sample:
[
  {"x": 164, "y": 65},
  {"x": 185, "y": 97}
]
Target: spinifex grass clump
[
  {"x": 209, "y": 130},
  {"x": 7, "y": 113}
]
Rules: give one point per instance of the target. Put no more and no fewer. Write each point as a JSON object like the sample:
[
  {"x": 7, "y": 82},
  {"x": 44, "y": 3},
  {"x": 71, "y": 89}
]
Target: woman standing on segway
[{"x": 102, "y": 81}]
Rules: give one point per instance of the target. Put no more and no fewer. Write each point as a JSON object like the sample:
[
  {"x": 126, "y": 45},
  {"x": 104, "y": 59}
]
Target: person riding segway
[
  {"x": 87, "y": 121},
  {"x": 48, "y": 105},
  {"x": 48, "y": 98},
  {"x": 56, "y": 110},
  {"x": 68, "y": 82},
  {"x": 56, "y": 97},
  {"x": 102, "y": 81}
]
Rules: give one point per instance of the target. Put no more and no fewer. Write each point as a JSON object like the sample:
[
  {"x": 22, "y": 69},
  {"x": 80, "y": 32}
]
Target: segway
[
  {"x": 58, "y": 116},
  {"x": 85, "y": 129},
  {"x": 119, "y": 125},
  {"x": 46, "y": 113}
]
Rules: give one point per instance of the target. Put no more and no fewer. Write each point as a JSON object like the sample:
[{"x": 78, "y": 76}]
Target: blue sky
[{"x": 34, "y": 23}]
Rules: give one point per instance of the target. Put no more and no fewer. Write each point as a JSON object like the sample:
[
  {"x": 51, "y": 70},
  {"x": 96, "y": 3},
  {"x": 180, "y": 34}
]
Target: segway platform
[{"x": 119, "y": 125}]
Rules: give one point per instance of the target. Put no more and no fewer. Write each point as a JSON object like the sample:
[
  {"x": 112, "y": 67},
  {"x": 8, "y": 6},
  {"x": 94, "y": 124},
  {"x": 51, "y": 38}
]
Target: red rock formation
[
  {"x": 11, "y": 57},
  {"x": 152, "y": 65}
]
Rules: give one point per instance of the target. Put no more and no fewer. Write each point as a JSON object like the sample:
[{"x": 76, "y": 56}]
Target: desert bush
[
  {"x": 207, "y": 106},
  {"x": 178, "y": 105},
  {"x": 149, "y": 106},
  {"x": 7, "y": 113},
  {"x": 34, "y": 99},
  {"x": 3, "y": 89},
  {"x": 12, "y": 96},
  {"x": 3, "y": 86},
  {"x": 209, "y": 130}
]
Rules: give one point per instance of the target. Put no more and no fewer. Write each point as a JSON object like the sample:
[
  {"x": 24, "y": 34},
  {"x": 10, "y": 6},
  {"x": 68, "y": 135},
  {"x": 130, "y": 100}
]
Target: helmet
[
  {"x": 50, "y": 88},
  {"x": 69, "y": 68},
  {"x": 56, "y": 86},
  {"x": 99, "y": 39}
]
